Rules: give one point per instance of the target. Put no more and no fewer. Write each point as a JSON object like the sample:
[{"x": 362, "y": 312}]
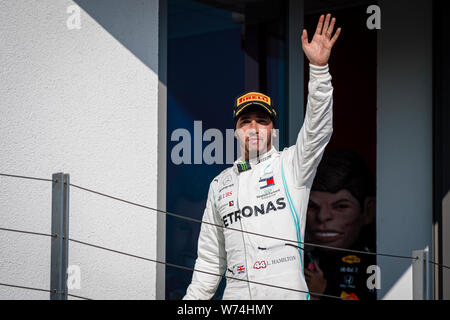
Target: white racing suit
[{"x": 270, "y": 198}]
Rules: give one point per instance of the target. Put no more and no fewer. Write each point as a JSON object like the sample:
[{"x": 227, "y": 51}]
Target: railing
[{"x": 60, "y": 245}]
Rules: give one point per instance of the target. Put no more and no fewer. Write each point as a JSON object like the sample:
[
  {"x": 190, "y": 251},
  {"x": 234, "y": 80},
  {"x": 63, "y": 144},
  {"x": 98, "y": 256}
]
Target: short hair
[{"x": 344, "y": 169}]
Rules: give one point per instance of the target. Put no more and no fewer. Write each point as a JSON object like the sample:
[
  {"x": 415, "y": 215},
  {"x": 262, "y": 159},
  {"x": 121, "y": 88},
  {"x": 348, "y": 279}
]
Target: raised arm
[{"x": 318, "y": 121}]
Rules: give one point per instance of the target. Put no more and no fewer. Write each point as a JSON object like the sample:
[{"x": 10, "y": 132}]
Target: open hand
[{"x": 319, "y": 49}]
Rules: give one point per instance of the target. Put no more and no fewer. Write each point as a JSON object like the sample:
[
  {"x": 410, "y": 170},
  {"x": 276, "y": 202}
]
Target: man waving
[{"x": 256, "y": 210}]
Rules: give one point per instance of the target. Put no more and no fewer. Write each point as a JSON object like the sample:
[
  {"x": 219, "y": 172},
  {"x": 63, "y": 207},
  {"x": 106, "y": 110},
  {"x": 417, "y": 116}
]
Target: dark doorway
[
  {"x": 353, "y": 66},
  {"x": 217, "y": 50}
]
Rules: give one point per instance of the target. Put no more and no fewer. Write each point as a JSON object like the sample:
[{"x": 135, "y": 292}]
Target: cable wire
[
  {"x": 79, "y": 297},
  {"x": 205, "y": 222},
  {"x": 29, "y": 232},
  {"x": 234, "y": 229},
  {"x": 142, "y": 258},
  {"x": 220, "y": 226},
  {"x": 28, "y": 288},
  {"x": 439, "y": 264},
  {"x": 147, "y": 259},
  {"x": 39, "y": 234},
  {"x": 356, "y": 251},
  {"x": 196, "y": 270},
  {"x": 25, "y": 177},
  {"x": 39, "y": 289}
]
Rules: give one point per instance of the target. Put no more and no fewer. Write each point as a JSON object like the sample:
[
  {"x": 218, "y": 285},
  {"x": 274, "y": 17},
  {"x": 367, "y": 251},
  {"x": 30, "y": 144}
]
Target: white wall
[
  {"x": 83, "y": 102},
  {"x": 404, "y": 166}
]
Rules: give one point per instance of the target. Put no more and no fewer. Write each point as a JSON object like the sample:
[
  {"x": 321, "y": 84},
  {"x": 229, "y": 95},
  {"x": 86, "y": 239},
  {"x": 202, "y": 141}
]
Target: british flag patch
[{"x": 240, "y": 269}]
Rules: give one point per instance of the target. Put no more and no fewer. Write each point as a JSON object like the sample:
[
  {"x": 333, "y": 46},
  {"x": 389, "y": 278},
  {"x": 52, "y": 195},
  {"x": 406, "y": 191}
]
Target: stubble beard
[{"x": 257, "y": 152}]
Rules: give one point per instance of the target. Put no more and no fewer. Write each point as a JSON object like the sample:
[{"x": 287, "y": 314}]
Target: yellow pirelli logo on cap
[{"x": 253, "y": 96}]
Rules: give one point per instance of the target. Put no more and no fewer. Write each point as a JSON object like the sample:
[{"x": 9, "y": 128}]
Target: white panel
[
  {"x": 402, "y": 288},
  {"x": 81, "y": 101},
  {"x": 404, "y": 154}
]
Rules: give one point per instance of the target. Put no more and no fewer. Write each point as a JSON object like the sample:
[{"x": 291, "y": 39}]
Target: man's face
[
  {"x": 335, "y": 219},
  {"x": 254, "y": 133}
]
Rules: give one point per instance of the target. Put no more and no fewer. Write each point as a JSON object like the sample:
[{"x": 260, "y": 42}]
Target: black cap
[{"x": 255, "y": 99}]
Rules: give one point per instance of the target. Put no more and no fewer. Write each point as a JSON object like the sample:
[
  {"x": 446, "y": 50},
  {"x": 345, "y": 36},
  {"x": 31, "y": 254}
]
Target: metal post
[
  {"x": 60, "y": 243},
  {"x": 420, "y": 275}
]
